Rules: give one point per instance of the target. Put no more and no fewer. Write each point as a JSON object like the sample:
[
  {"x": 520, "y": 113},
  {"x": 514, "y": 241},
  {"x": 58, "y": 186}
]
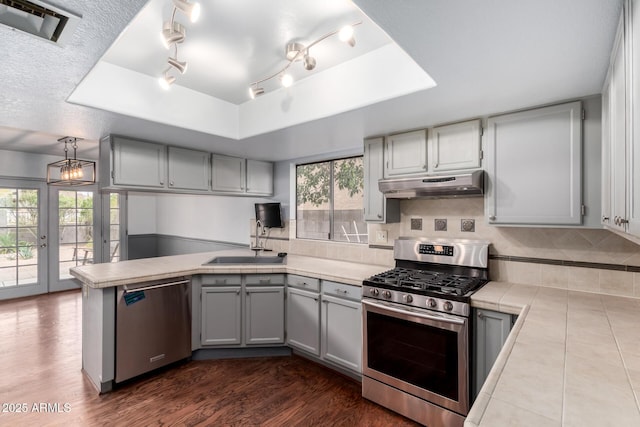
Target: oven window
[{"x": 422, "y": 355}]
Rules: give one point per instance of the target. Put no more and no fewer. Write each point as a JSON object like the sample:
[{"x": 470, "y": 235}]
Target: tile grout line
[{"x": 624, "y": 364}]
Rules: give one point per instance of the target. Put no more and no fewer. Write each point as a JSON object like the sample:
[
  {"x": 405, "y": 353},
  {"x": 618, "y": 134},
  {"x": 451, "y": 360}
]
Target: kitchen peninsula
[{"x": 572, "y": 358}]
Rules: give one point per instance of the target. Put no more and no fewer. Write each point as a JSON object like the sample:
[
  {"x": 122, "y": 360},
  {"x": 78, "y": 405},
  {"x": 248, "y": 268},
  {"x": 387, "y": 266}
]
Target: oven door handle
[{"x": 415, "y": 313}]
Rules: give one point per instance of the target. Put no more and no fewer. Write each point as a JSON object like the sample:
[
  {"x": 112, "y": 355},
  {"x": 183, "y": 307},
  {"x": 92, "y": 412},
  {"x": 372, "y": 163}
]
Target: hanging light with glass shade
[{"x": 71, "y": 171}]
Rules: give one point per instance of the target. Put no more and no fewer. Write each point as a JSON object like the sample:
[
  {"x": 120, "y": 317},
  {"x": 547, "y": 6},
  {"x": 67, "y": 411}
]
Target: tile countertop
[
  {"x": 147, "y": 269},
  {"x": 572, "y": 359}
]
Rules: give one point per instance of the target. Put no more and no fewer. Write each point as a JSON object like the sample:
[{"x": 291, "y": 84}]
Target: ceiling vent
[{"x": 37, "y": 18}]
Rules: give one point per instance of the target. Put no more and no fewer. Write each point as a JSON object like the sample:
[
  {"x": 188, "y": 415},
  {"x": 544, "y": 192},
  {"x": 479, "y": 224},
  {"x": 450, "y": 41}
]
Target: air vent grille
[{"x": 39, "y": 19}]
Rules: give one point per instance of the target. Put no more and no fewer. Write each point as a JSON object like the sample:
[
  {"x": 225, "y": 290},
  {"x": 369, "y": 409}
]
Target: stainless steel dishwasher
[{"x": 153, "y": 326}]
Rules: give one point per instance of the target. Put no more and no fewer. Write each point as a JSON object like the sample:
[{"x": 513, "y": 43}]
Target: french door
[{"x": 23, "y": 238}]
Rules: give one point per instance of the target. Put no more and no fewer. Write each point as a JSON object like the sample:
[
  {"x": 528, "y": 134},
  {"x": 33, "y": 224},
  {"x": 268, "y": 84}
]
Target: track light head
[
  {"x": 309, "y": 62},
  {"x": 286, "y": 80},
  {"x": 172, "y": 32},
  {"x": 255, "y": 91},
  {"x": 192, "y": 10},
  {"x": 166, "y": 81},
  {"x": 180, "y": 66},
  {"x": 346, "y": 35}
]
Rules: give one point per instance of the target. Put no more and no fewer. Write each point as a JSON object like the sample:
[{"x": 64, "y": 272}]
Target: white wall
[
  {"x": 25, "y": 165},
  {"x": 220, "y": 218},
  {"x": 142, "y": 213}
]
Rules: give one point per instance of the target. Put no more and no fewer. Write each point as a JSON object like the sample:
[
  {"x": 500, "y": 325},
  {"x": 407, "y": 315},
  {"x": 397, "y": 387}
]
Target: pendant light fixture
[
  {"x": 71, "y": 171},
  {"x": 295, "y": 51}
]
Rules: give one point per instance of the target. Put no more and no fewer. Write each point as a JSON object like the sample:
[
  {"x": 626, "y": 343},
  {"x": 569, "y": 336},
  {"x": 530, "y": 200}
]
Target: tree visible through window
[{"x": 329, "y": 200}]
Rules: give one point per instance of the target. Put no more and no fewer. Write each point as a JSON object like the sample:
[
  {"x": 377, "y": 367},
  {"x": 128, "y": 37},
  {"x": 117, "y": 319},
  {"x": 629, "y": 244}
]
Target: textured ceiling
[{"x": 487, "y": 57}]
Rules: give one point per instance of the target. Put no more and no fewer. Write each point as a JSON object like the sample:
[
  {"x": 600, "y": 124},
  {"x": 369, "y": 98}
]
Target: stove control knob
[
  {"x": 431, "y": 303},
  {"x": 386, "y": 294},
  {"x": 407, "y": 298},
  {"x": 374, "y": 292},
  {"x": 448, "y": 306}
]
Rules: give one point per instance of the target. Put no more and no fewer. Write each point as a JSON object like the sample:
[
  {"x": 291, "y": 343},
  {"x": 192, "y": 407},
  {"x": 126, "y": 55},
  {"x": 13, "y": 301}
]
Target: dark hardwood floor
[{"x": 40, "y": 362}]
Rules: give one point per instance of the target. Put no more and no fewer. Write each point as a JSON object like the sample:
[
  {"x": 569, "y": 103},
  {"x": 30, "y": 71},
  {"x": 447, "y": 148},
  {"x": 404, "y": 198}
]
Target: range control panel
[{"x": 435, "y": 250}]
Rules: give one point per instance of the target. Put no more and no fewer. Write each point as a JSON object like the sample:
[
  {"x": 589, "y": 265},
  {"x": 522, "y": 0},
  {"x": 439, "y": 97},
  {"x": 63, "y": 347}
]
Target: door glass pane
[
  {"x": 114, "y": 227},
  {"x": 75, "y": 227},
  {"x": 18, "y": 237}
]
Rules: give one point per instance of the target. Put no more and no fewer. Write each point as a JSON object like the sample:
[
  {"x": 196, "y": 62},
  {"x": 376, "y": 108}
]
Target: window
[{"x": 329, "y": 201}]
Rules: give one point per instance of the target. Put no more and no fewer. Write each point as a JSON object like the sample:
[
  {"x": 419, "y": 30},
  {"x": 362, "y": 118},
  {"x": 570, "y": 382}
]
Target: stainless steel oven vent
[{"x": 39, "y": 19}]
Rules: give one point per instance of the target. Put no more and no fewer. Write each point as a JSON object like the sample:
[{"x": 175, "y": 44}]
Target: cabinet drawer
[
  {"x": 264, "y": 279},
  {"x": 341, "y": 290},
  {"x": 221, "y": 279},
  {"x": 303, "y": 282}
]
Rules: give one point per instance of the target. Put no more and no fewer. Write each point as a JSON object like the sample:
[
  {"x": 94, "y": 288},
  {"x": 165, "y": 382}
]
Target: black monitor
[{"x": 269, "y": 214}]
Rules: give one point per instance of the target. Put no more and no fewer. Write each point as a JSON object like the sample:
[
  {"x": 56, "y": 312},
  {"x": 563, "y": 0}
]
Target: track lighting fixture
[
  {"x": 192, "y": 10},
  {"x": 174, "y": 33},
  {"x": 295, "y": 51}
]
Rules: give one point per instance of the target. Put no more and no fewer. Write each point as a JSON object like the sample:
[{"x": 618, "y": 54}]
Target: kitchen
[{"x": 515, "y": 249}]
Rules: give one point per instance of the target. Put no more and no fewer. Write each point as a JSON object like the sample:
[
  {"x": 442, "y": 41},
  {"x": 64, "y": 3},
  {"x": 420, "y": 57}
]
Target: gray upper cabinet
[
  {"x": 406, "y": 153},
  {"x": 454, "y": 147},
  {"x": 376, "y": 207},
  {"x": 259, "y": 177},
  {"x": 621, "y": 128},
  {"x": 138, "y": 163},
  {"x": 534, "y": 167},
  {"x": 228, "y": 174},
  {"x": 189, "y": 169}
]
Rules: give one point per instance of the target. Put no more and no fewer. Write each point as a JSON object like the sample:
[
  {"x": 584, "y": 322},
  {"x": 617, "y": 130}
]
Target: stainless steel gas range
[{"x": 416, "y": 329}]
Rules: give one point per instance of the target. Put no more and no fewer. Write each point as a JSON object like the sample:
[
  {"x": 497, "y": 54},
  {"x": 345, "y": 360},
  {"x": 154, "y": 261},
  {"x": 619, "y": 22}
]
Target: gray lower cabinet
[
  {"x": 490, "y": 331},
  {"x": 240, "y": 310},
  {"x": 264, "y": 315},
  {"x": 303, "y": 320},
  {"x": 342, "y": 332},
  {"x": 221, "y": 315}
]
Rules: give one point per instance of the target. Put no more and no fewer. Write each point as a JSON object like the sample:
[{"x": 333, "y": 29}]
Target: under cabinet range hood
[{"x": 467, "y": 184}]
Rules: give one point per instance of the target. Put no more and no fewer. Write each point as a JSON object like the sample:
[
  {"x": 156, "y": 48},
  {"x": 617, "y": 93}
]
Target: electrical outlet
[{"x": 381, "y": 236}]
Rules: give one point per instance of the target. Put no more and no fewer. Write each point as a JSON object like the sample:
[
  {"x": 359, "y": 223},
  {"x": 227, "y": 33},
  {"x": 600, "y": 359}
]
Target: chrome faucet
[{"x": 256, "y": 246}]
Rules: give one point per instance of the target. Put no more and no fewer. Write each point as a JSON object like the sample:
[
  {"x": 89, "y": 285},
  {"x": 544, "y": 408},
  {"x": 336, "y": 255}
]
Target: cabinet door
[
  {"x": 264, "y": 315},
  {"x": 221, "y": 315},
  {"x": 189, "y": 169},
  {"x": 376, "y": 207},
  {"x": 303, "y": 320},
  {"x": 259, "y": 177},
  {"x": 633, "y": 163},
  {"x": 342, "y": 332},
  {"x": 406, "y": 153},
  {"x": 138, "y": 163},
  {"x": 455, "y": 147},
  {"x": 534, "y": 167},
  {"x": 490, "y": 333},
  {"x": 227, "y": 174},
  {"x": 618, "y": 141}
]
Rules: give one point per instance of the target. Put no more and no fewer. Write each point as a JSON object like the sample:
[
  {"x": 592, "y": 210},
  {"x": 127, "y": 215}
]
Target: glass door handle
[{"x": 44, "y": 245}]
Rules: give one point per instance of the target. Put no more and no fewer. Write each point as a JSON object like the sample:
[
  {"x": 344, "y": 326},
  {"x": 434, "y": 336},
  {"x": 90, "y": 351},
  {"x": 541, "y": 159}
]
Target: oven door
[{"x": 421, "y": 352}]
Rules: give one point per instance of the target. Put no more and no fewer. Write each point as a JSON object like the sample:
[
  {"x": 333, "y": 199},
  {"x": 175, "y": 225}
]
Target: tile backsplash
[{"x": 465, "y": 219}]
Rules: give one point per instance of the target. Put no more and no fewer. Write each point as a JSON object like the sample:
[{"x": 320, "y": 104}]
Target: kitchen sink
[{"x": 246, "y": 260}]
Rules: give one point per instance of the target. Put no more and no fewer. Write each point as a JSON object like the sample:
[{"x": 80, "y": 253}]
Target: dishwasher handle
[{"x": 159, "y": 286}]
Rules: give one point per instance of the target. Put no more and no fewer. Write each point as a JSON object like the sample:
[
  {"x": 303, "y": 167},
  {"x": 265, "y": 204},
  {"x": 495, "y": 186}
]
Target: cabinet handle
[
  {"x": 480, "y": 315},
  {"x": 161, "y": 182},
  {"x": 238, "y": 292},
  {"x": 379, "y": 216},
  {"x": 340, "y": 291},
  {"x": 605, "y": 219},
  {"x": 492, "y": 218},
  {"x": 171, "y": 183},
  {"x": 315, "y": 299},
  {"x": 305, "y": 284},
  {"x": 623, "y": 221}
]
